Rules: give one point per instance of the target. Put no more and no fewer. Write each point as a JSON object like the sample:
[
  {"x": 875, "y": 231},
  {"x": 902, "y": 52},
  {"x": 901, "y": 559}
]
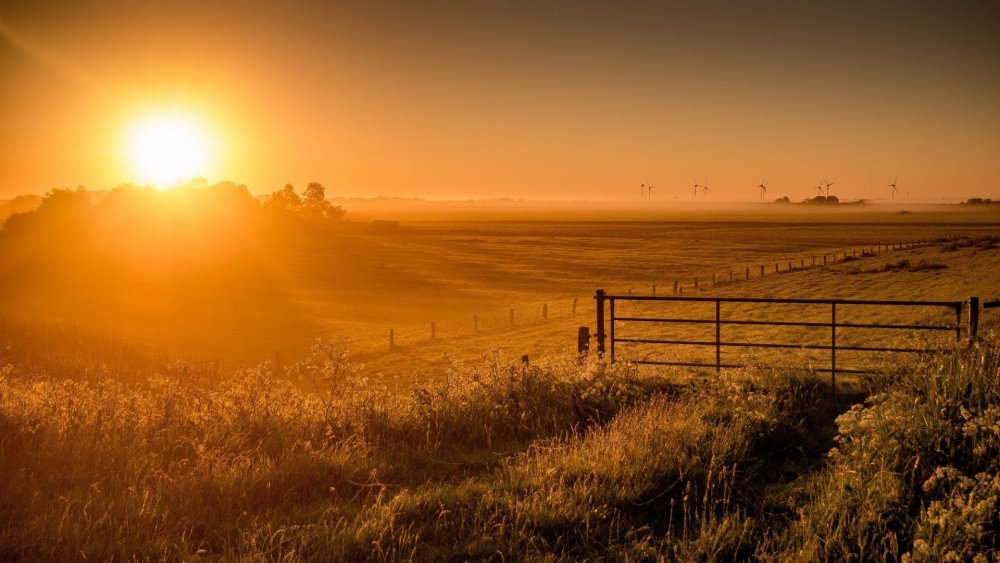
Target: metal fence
[{"x": 724, "y": 317}]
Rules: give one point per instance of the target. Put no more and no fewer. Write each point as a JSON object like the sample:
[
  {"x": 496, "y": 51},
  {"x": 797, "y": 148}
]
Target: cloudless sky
[{"x": 540, "y": 100}]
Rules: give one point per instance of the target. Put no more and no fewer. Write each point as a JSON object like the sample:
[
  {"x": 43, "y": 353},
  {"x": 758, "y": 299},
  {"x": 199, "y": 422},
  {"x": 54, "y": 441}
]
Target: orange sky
[{"x": 540, "y": 100}]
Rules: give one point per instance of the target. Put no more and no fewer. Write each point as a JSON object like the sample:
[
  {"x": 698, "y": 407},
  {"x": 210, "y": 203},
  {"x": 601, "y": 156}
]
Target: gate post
[
  {"x": 583, "y": 343},
  {"x": 600, "y": 297}
]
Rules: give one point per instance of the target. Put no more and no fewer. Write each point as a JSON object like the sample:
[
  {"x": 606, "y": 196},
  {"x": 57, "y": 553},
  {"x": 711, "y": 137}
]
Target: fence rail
[{"x": 606, "y": 303}]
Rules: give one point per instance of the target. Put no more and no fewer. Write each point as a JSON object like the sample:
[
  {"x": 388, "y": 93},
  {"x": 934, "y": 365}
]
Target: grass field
[
  {"x": 264, "y": 293},
  {"x": 119, "y": 442}
]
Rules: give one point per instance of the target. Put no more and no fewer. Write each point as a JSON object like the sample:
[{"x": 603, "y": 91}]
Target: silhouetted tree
[
  {"x": 312, "y": 205},
  {"x": 62, "y": 211},
  {"x": 284, "y": 202},
  {"x": 315, "y": 205}
]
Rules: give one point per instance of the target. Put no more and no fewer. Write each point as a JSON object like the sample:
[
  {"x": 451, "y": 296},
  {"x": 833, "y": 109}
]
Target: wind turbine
[
  {"x": 696, "y": 186},
  {"x": 649, "y": 189},
  {"x": 892, "y": 192},
  {"x": 819, "y": 189},
  {"x": 642, "y": 191},
  {"x": 828, "y": 184},
  {"x": 763, "y": 188},
  {"x": 705, "y": 190}
]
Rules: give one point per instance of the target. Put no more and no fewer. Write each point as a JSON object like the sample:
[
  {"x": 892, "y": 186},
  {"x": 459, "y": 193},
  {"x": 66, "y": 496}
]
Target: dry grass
[{"x": 556, "y": 461}]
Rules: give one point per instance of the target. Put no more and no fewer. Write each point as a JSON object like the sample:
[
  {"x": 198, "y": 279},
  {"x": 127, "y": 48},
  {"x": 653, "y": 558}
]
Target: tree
[
  {"x": 284, "y": 201},
  {"x": 311, "y": 205},
  {"x": 315, "y": 205}
]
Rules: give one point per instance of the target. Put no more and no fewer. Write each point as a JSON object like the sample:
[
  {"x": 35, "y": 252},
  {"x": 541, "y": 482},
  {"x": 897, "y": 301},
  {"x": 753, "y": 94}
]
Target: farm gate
[{"x": 825, "y": 326}]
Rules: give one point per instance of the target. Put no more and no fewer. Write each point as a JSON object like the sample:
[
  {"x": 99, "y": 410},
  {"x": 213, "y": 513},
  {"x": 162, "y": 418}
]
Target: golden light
[{"x": 167, "y": 148}]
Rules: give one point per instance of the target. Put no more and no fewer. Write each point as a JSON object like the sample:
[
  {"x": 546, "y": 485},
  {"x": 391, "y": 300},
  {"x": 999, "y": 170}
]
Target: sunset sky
[{"x": 538, "y": 100}]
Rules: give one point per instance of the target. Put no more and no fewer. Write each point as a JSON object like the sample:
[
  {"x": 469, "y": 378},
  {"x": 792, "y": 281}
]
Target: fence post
[
  {"x": 599, "y": 296},
  {"x": 762, "y": 270},
  {"x": 676, "y": 284},
  {"x": 748, "y": 274},
  {"x": 611, "y": 327},
  {"x": 654, "y": 290},
  {"x": 776, "y": 267},
  {"x": 583, "y": 343},
  {"x": 715, "y": 279},
  {"x": 973, "y": 319},
  {"x": 814, "y": 260}
]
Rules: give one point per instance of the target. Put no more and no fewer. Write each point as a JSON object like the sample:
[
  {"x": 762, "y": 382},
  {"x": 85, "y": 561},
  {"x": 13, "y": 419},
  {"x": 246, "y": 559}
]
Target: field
[
  {"x": 180, "y": 408},
  {"x": 258, "y": 294}
]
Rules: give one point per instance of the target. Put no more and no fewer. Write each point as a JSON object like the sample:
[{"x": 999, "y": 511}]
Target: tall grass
[
  {"x": 916, "y": 471},
  {"x": 557, "y": 461}
]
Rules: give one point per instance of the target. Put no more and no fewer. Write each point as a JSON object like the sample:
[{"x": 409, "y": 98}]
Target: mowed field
[{"x": 260, "y": 298}]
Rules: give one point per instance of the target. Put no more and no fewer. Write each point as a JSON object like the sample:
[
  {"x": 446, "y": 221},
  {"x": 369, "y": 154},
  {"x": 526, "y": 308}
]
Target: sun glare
[{"x": 168, "y": 148}]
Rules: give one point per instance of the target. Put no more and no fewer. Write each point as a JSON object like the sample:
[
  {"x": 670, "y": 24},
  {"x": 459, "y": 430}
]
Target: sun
[{"x": 167, "y": 148}]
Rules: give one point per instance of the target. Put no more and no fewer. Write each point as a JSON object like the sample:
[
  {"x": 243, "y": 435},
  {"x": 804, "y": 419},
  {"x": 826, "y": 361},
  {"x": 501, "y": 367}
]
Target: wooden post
[
  {"x": 545, "y": 311},
  {"x": 676, "y": 284},
  {"x": 654, "y": 290},
  {"x": 524, "y": 360},
  {"x": 600, "y": 297},
  {"x": 715, "y": 279},
  {"x": 802, "y": 263},
  {"x": 748, "y": 274},
  {"x": 762, "y": 270},
  {"x": 824, "y": 259},
  {"x": 392, "y": 339},
  {"x": 789, "y": 264},
  {"x": 696, "y": 284},
  {"x": 433, "y": 330},
  {"x": 814, "y": 260},
  {"x": 583, "y": 343},
  {"x": 512, "y": 317},
  {"x": 630, "y": 292},
  {"x": 776, "y": 267},
  {"x": 973, "y": 319}
]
